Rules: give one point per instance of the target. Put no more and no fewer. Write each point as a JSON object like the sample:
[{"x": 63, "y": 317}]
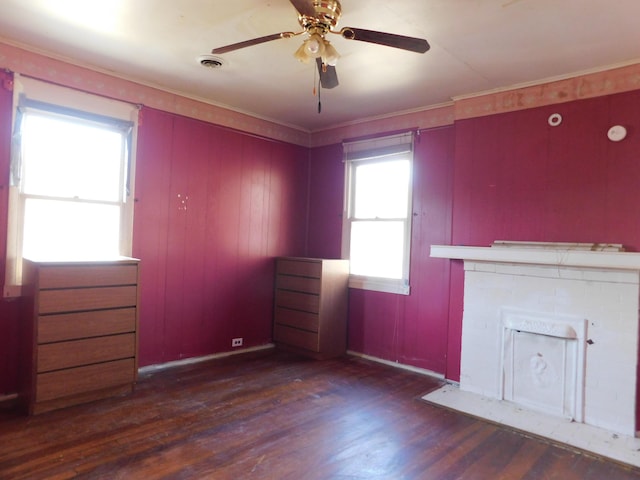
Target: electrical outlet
[{"x": 236, "y": 342}]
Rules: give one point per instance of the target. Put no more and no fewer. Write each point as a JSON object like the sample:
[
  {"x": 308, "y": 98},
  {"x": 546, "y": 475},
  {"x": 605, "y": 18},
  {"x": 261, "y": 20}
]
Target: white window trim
[
  {"x": 386, "y": 285},
  {"x": 368, "y": 150},
  {"x": 39, "y": 91}
]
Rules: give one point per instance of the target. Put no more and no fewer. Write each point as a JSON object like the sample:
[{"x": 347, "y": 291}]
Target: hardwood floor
[{"x": 279, "y": 416}]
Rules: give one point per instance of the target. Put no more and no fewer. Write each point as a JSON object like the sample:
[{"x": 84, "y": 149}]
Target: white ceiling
[{"x": 476, "y": 45}]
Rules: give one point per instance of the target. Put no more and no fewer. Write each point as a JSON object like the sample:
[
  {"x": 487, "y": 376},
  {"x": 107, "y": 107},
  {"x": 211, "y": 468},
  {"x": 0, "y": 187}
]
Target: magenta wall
[
  {"x": 326, "y": 187},
  {"x": 408, "y": 329},
  {"x": 519, "y": 178},
  {"x": 213, "y": 207}
]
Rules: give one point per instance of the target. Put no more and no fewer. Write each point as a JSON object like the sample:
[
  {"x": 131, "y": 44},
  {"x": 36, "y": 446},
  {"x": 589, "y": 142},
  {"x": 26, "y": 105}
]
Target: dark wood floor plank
[
  {"x": 522, "y": 460},
  {"x": 278, "y": 416}
]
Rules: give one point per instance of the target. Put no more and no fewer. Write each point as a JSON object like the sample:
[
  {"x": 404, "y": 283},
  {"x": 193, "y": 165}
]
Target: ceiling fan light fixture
[
  {"x": 331, "y": 55},
  {"x": 314, "y": 46},
  {"x": 301, "y": 55}
]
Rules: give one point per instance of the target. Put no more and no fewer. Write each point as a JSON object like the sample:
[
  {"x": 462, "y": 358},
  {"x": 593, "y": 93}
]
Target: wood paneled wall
[{"x": 213, "y": 207}]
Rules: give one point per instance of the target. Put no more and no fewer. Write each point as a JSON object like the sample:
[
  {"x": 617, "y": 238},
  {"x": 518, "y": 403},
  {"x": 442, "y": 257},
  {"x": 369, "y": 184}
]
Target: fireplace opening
[{"x": 542, "y": 361}]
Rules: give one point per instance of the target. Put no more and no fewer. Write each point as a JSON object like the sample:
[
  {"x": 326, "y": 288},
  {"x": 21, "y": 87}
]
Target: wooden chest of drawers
[
  {"x": 81, "y": 341},
  {"x": 310, "y": 313}
]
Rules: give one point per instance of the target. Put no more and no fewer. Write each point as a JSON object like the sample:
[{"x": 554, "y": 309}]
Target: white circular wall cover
[
  {"x": 617, "y": 133},
  {"x": 555, "y": 119}
]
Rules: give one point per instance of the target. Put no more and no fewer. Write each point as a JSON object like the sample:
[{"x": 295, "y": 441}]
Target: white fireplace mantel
[
  {"x": 591, "y": 289},
  {"x": 560, "y": 256}
]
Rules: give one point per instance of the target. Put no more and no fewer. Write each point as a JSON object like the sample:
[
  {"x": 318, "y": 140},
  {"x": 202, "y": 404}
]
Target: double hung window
[
  {"x": 377, "y": 217},
  {"x": 70, "y": 177}
]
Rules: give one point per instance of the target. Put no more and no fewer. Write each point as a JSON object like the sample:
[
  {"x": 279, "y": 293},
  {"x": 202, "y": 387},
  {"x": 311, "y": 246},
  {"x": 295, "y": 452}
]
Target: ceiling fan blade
[
  {"x": 254, "y": 41},
  {"x": 304, "y": 7},
  {"x": 413, "y": 44},
  {"x": 328, "y": 75}
]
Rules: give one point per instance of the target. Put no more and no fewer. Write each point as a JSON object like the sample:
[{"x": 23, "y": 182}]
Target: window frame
[
  {"x": 381, "y": 149},
  {"x": 34, "y": 96}
]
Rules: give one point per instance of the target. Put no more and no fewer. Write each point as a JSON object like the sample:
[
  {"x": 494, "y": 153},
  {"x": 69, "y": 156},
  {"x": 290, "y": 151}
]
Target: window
[
  {"x": 71, "y": 172},
  {"x": 377, "y": 217}
]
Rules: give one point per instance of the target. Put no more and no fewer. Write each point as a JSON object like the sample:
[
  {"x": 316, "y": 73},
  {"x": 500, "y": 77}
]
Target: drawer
[
  {"x": 298, "y": 301},
  {"x": 74, "y": 300},
  {"x": 300, "y": 284},
  {"x": 70, "y": 326},
  {"x": 74, "y": 381},
  {"x": 296, "y": 338},
  {"x": 295, "y": 318},
  {"x": 74, "y": 353},
  {"x": 299, "y": 267},
  {"x": 62, "y": 276}
]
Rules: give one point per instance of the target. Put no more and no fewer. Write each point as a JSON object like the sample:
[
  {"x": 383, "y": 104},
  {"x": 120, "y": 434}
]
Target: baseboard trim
[
  {"x": 402, "y": 366},
  {"x": 8, "y": 398},
  {"x": 8, "y": 401},
  {"x": 189, "y": 361}
]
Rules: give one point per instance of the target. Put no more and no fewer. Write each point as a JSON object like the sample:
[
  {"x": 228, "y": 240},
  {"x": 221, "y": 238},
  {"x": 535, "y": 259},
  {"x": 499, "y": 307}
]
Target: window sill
[
  {"x": 385, "y": 285},
  {"x": 11, "y": 291}
]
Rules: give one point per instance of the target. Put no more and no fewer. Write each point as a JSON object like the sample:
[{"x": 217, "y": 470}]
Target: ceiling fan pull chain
[
  {"x": 314, "y": 82},
  {"x": 319, "y": 102}
]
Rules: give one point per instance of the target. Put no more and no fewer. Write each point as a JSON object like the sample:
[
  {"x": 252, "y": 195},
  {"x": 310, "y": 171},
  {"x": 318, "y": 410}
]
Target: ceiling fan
[{"x": 318, "y": 18}]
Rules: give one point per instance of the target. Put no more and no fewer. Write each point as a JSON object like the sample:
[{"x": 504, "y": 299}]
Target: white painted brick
[
  {"x": 570, "y": 273},
  {"x": 609, "y": 300},
  {"x": 612, "y": 276},
  {"x": 484, "y": 267}
]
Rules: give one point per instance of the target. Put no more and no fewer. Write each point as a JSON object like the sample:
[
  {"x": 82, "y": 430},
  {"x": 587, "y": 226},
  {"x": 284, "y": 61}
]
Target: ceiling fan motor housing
[{"x": 327, "y": 15}]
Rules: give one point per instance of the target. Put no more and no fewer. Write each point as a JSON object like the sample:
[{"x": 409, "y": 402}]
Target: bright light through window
[
  {"x": 377, "y": 249},
  {"x": 72, "y": 187},
  {"x": 68, "y": 159},
  {"x": 70, "y": 230},
  {"x": 381, "y": 189},
  {"x": 378, "y": 219}
]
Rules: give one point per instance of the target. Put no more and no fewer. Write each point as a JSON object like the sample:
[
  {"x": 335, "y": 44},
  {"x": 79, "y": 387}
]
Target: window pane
[
  {"x": 70, "y": 159},
  {"x": 56, "y": 229},
  {"x": 381, "y": 189},
  {"x": 377, "y": 248}
]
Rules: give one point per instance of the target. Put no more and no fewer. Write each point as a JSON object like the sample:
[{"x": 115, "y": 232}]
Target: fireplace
[
  {"x": 552, "y": 327},
  {"x": 542, "y": 362}
]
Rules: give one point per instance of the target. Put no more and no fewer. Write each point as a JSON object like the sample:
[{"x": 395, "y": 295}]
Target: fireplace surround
[{"x": 552, "y": 327}]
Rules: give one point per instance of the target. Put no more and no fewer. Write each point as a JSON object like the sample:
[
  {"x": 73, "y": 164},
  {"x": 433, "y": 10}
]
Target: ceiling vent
[{"x": 210, "y": 61}]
